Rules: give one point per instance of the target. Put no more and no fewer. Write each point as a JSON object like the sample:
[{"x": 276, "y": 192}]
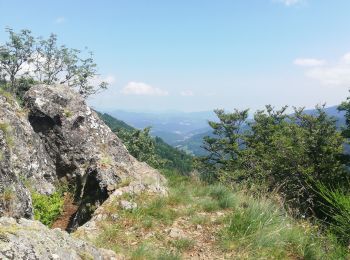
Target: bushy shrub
[
  {"x": 47, "y": 208},
  {"x": 276, "y": 151}
]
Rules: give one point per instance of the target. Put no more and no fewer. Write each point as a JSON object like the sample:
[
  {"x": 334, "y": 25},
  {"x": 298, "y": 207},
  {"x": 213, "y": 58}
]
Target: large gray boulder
[
  {"x": 31, "y": 240},
  {"x": 58, "y": 138},
  {"x": 23, "y": 161},
  {"x": 85, "y": 151}
]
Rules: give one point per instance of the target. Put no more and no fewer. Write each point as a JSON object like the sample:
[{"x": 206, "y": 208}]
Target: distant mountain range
[
  {"x": 186, "y": 130},
  {"x": 172, "y": 127}
]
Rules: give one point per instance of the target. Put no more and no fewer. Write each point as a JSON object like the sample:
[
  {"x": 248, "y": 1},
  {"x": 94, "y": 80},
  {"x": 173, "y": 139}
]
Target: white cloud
[
  {"x": 60, "y": 20},
  {"x": 309, "y": 62},
  {"x": 290, "y": 2},
  {"x": 187, "y": 93},
  {"x": 335, "y": 74},
  {"x": 142, "y": 89},
  {"x": 346, "y": 58}
]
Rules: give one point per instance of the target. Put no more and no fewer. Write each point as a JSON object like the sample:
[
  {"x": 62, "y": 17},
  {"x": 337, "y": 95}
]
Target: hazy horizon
[{"x": 178, "y": 111}]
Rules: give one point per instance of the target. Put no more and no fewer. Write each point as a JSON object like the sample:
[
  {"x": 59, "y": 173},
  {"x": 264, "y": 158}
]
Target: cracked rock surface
[
  {"x": 84, "y": 149},
  {"x": 23, "y": 159},
  {"x": 31, "y": 240},
  {"x": 57, "y": 138}
]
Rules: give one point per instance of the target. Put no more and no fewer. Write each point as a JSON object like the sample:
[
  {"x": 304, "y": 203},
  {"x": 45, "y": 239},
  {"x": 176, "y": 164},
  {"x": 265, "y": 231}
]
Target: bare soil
[{"x": 69, "y": 209}]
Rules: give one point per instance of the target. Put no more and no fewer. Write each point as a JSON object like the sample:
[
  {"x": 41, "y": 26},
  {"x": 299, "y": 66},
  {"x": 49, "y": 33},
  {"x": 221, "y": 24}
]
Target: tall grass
[
  {"x": 259, "y": 228},
  {"x": 248, "y": 227},
  {"x": 336, "y": 207}
]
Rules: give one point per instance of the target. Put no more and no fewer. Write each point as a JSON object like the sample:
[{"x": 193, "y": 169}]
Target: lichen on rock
[
  {"x": 23, "y": 160},
  {"x": 28, "y": 239},
  {"x": 85, "y": 151},
  {"x": 57, "y": 138}
]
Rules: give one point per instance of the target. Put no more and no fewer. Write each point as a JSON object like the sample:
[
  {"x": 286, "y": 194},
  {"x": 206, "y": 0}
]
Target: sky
[{"x": 196, "y": 55}]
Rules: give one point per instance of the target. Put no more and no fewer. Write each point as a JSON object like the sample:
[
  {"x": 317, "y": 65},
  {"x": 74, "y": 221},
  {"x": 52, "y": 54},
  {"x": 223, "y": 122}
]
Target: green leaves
[
  {"x": 141, "y": 145},
  {"x": 15, "y": 54},
  {"x": 225, "y": 147},
  {"x": 283, "y": 151},
  {"x": 47, "y": 208},
  {"x": 39, "y": 60}
]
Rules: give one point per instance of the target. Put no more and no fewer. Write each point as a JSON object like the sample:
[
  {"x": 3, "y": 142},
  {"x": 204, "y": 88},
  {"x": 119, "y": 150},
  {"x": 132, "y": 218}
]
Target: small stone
[
  {"x": 101, "y": 217},
  {"x": 176, "y": 233},
  {"x": 149, "y": 235},
  {"x": 110, "y": 187},
  {"x": 114, "y": 217},
  {"x": 127, "y": 205},
  {"x": 219, "y": 214},
  {"x": 199, "y": 227}
]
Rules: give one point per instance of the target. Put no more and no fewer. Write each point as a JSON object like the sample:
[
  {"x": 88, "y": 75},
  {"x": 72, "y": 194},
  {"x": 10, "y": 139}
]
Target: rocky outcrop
[
  {"x": 23, "y": 161},
  {"x": 92, "y": 228},
  {"x": 57, "y": 138},
  {"x": 28, "y": 239},
  {"x": 84, "y": 150}
]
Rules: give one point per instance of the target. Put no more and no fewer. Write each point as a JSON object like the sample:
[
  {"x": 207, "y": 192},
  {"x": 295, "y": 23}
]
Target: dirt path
[
  {"x": 204, "y": 236},
  {"x": 69, "y": 208}
]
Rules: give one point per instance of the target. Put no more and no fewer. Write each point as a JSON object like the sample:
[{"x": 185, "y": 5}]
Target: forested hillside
[
  {"x": 156, "y": 151},
  {"x": 114, "y": 123}
]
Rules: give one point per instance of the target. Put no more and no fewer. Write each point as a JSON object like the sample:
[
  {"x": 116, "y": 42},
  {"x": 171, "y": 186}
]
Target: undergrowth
[{"x": 47, "y": 208}]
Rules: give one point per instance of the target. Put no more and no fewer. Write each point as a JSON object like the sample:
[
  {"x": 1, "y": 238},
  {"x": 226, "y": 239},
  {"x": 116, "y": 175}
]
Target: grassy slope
[{"x": 209, "y": 222}]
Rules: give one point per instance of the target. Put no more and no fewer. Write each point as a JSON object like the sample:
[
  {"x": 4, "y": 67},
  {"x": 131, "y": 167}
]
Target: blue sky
[{"x": 193, "y": 55}]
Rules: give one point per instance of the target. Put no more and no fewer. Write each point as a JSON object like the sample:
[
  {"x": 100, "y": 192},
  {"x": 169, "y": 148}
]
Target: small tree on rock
[
  {"x": 14, "y": 55},
  {"x": 24, "y": 59}
]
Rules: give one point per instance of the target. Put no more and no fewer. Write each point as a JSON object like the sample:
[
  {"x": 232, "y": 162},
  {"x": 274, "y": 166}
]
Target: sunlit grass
[{"x": 249, "y": 227}]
